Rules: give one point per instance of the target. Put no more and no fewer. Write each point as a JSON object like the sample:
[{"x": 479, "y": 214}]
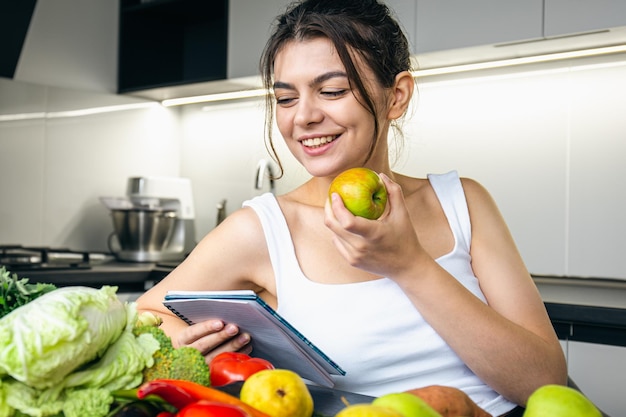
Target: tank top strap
[
  {"x": 449, "y": 191},
  {"x": 277, "y": 236}
]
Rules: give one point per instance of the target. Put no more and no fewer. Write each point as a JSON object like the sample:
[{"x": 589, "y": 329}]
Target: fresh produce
[
  {"x": 369, "y": 410},
  {"x": 407, "y": 404},
  {"x": 16, "y": 292},
  {"x": 363, "y": 192},
  {"x": 186, "y": 363},
  {"x": 204, "y": 408},
  {"x": 559, "y": 401},
  {"x": 278, "y": 392},
  {"x": 182, "y": 393},
  {"x": 229, "y": 367},
  {"x": 449, "y": 401},
  {"x": 48, "y": 338},
  {"x": 69, "y": 352}
]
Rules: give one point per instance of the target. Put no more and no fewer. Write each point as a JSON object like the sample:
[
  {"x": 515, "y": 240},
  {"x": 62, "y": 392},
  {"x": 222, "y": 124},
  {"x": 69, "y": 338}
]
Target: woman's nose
[{"x": 307, "y": 112}]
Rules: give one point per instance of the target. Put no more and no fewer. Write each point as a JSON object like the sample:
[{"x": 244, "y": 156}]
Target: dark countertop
[{"x": 128, "y": 276}]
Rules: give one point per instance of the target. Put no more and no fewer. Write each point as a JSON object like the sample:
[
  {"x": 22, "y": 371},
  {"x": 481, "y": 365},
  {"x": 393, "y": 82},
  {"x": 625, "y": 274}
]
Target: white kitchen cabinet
[
  {"x": 600, "y": 373},
  {"x": 574, "y": 16},
  {"x": 450, "y": 24},
  {"x": 249, "y": 26},
  {"x": 405, "y": 11}
]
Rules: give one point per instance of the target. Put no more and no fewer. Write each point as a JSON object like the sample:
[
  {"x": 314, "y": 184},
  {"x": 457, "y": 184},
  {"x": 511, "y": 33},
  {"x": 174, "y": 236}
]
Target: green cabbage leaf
[{"x": 50, "y": 337}]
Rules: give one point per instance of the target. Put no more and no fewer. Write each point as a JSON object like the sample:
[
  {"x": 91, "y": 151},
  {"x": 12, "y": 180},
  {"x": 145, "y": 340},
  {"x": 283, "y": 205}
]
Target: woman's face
[{"x": 318, "y": 115}]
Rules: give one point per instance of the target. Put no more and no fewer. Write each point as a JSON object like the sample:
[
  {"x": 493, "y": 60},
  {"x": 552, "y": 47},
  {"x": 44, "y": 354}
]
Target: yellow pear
[
  {"x": 278, "y": 393},
  {"x": 559, "y": 401}
]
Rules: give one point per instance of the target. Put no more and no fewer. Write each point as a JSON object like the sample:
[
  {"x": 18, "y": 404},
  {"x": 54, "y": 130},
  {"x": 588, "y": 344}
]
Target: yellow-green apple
[
  {"x": 559, "y": 401},
  {"x": 277, "y": 393},
  {"x": 367, "y": 410},
  {"x": 407, "y": 404},
  {"x": 363, "y": 192}
]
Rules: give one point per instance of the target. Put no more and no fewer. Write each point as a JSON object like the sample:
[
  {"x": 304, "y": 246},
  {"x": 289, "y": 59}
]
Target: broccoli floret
[
  {"x": 186, "y": 363},
  {"x": 164, "y": 340}
]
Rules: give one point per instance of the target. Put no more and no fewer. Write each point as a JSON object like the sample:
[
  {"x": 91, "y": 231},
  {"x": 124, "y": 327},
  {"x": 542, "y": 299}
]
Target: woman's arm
[
  {"x": 232, "y": 256},
  {"x": 508, "y": 342}
]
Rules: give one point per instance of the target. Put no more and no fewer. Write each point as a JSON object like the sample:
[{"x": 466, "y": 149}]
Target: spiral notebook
[{"x": 273, "y": 338}]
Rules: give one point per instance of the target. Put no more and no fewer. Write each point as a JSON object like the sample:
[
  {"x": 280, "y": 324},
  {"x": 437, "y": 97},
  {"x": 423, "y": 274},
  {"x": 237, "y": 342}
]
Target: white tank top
[{"x": 386, "y": 352}]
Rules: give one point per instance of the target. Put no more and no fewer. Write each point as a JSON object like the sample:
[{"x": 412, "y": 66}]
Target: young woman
[{"x": 433, "y": 292}]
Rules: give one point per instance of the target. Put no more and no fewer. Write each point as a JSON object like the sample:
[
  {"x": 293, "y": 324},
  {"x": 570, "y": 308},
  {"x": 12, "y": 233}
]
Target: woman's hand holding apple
[{"x": 385, "y": 246}]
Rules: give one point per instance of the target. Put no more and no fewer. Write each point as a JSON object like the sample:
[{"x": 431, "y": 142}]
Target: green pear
[
  {"x": 407, "y": 404},
  {"x": 559, "y": 401},
  {"x": 367, "y": 410}
]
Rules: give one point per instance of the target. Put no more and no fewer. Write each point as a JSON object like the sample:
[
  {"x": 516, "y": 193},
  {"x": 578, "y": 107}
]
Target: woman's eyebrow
[{"x": 316, "y": 81}]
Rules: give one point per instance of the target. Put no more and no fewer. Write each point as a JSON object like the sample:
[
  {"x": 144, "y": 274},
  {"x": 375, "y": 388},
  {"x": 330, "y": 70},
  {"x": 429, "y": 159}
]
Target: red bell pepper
[
  {"x": 204, "y": 408},
  {"x": 229, "y": 367},
  {"x": 181, "y": 393}
]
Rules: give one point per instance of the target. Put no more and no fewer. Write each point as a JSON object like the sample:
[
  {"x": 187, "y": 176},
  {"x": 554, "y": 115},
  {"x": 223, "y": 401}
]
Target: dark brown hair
[{"x": 362, "y": 27}]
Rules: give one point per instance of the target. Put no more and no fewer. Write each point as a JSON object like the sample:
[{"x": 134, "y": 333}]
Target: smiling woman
[{"x": 400, "y": 302}]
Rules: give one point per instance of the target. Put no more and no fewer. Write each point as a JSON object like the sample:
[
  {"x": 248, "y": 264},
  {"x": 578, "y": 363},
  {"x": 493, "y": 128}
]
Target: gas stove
[
  {"x": 65, "y": 267},
  {"x": 31, "y": 258}
]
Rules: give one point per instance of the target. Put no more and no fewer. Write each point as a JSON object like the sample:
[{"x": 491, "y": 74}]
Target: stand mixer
[{"x": 155, "y": 222}]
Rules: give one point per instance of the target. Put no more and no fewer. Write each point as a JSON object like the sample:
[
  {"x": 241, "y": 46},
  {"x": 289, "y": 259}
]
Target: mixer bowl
[{"x": 143, "y": 230}]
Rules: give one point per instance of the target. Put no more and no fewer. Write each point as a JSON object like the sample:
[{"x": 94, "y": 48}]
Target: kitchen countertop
[
  {"x": 128, "y": 276},
  {"x": 586, "y": 291},
  {"x": 589, "y": 310},
  {"x": 585, "y": 309}
]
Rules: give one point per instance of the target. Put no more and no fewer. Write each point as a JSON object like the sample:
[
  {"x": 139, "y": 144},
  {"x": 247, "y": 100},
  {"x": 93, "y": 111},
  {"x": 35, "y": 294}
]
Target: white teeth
[{"x": 313, "y": 142}]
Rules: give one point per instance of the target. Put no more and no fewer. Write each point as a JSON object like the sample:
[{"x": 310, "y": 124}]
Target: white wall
[{"x": 548, "y": 144}]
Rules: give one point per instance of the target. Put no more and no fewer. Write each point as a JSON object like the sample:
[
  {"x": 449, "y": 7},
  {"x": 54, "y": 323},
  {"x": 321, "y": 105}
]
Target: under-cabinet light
[
  {"x": 557, "y": 56},
  {"x": 75, "y": 113},
  {"x": 234, "y": 95}
]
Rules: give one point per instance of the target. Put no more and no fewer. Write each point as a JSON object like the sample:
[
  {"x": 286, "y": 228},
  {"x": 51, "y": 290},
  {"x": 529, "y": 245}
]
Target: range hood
[
  {"x": 15, "y": 17},
  {"x": 428, "y": 64}
]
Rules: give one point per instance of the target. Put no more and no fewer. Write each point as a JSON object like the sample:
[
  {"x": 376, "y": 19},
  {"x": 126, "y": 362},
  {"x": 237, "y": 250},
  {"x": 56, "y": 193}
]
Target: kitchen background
[{"x": 548, "y": 140}]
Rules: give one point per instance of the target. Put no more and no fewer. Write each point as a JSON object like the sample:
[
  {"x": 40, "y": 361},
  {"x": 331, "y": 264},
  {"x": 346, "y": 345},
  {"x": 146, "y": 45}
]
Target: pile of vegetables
[{"x": 80, "y": 351}]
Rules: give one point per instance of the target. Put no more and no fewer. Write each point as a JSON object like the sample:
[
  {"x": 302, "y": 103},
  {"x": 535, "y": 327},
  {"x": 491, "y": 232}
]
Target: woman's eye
[
  {"x": 334, "y": 93},
  {"x": 283, "y": 101}
]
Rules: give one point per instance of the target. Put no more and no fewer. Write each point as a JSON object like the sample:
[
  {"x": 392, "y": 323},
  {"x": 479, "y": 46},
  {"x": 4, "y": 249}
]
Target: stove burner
[{"x": 20, "y": 258}]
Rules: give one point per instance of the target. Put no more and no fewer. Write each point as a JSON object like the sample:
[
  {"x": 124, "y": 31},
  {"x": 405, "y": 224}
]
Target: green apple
[
  {"x": 367, "y": 410},
  {"x": 362, "y": 191},
  {"x": 407, "y": 404},
  {"x": 559, "y": 401}
]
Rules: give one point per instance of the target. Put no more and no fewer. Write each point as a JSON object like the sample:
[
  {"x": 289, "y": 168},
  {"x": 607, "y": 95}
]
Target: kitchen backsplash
[{"x": 548, "y": 142}]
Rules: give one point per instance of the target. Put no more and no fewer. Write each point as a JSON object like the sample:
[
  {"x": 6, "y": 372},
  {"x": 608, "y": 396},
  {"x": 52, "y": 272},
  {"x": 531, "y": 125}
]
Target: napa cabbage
[{"x": 45, "y": 340}]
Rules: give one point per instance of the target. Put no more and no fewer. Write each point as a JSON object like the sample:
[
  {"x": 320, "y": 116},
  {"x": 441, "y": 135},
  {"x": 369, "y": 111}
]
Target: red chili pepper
[
  {"x": 204, "y": 408},
  {"x": 229, "y": 367},
  {"x": 180, "y": 393}
]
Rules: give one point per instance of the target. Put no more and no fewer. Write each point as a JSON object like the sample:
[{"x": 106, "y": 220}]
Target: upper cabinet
[
  {"x": 170, "y": 48},
  {"x": 451, "y": 24},
  {"x": 569, "y": 16},
  {"x": 171, "y": 42},
  {"x": 249, "y": 26},
  {"x": 438, "y": 25}
]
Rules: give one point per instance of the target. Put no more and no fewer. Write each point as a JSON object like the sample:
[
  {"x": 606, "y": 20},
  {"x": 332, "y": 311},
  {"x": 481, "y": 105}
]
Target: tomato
[
  {"x": 203, "y": 408},
  {"x": 231, "y": 367}
]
